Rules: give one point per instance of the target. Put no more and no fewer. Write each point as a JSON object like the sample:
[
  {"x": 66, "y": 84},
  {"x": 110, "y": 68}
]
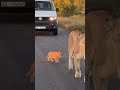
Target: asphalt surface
[{"x": 50, "y": 76}]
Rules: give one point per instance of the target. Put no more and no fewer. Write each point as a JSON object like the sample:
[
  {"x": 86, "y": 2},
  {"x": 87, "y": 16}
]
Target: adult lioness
[
  {"x": 102, "y": 48},
  {"x": 76, "y": 50}
]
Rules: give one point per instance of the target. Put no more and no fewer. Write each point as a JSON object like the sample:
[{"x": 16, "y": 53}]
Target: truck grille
[
  {"x": 43, "y": 22},
  {"x": 43, "y": 19}
]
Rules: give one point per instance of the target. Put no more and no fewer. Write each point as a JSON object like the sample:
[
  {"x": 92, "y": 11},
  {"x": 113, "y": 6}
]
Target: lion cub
[{"x": 54, "y": 56}]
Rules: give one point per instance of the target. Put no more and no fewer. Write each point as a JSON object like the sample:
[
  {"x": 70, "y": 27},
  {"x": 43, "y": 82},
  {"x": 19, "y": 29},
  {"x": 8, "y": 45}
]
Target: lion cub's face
[{"x": 60, "y": 54}]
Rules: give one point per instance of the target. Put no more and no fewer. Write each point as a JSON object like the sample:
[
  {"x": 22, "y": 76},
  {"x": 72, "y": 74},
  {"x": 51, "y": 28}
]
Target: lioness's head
[
  {"x": 81, "y": 37},
  {"x": 112, "y": 26}
]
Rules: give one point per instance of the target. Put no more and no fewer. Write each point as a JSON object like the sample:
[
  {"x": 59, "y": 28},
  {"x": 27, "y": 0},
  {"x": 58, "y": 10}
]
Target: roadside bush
[
  {"x": 75, "y": 22},
  {"x": 69, "y": 7}
]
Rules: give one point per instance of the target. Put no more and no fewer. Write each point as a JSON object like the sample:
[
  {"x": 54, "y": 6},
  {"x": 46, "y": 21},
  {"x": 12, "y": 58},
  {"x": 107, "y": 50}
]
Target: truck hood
[{"x": 45, "y": 13}]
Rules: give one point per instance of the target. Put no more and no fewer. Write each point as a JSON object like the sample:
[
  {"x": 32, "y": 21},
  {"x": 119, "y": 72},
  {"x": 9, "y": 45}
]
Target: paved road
[{"x": 51, "y": 76}]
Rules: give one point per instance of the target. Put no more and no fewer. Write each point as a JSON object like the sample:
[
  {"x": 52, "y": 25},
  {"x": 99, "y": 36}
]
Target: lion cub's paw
[{"x": 57, "y": 62}]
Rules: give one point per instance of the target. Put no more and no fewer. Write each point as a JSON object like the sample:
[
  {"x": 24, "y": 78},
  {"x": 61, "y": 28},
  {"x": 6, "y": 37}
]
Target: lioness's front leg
[
  {"x": 70, "y": 53},
  {"x": 70, "y": 62},
  {"x": 77, "y": 68}
]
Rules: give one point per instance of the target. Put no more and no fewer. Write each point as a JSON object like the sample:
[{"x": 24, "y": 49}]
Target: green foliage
[{"x": 69, "y": 7}]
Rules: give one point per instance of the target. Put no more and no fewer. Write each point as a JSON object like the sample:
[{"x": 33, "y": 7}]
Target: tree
[{"x": 69, "y": 7}]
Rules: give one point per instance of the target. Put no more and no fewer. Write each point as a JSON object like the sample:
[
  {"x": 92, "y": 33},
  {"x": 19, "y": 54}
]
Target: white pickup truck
[{"x": 45, "y": 16}]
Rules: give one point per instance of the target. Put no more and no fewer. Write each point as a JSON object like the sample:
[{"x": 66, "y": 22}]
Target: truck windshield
[{"x": 44, "y": 5}]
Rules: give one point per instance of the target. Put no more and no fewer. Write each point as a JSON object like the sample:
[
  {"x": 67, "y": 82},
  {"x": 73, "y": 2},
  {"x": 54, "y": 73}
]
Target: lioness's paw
[
  {"x": 84, "y": 79},
  {"x": 70, "y": 67},
  {"x": 78, "y": 75}
]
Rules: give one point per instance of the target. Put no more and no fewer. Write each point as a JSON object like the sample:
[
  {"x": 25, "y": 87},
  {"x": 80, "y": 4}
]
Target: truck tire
[{"x": 55, "y": 32}]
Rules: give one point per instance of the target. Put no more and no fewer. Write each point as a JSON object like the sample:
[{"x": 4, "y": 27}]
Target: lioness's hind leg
[{"x": 77, "y": 68}]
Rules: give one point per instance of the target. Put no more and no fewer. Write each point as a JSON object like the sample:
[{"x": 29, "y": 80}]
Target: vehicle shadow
[
  {"x": 45, "y": 33},
  {"x": 114, "y": 84}
]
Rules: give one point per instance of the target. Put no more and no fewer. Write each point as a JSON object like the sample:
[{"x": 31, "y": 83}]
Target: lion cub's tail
[{"x": 46, "y": 56}]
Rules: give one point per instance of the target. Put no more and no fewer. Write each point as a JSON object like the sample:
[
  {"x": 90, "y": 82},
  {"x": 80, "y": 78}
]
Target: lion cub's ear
[{"x": 59, "y": 51}]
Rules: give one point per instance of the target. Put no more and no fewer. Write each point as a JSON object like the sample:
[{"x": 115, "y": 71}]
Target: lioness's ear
[
  {"x": 109, "y": 23},
  {"x": 80, "y": 36}
]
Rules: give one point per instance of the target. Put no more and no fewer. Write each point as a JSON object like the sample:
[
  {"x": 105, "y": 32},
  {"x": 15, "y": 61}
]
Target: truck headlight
[{"x": 52, "y": 18}]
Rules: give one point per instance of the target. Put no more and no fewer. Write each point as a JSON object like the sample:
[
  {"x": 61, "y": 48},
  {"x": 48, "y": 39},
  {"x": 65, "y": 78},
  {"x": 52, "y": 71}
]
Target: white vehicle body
[{"x": 45, "y": 16}]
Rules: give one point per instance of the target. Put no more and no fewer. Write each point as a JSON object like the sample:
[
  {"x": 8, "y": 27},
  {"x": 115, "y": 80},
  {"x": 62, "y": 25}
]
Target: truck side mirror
[{"x": 57, "y": 9}]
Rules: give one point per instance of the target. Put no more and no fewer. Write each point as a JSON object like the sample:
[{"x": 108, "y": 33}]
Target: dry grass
[{"x": 76, "y": 22}]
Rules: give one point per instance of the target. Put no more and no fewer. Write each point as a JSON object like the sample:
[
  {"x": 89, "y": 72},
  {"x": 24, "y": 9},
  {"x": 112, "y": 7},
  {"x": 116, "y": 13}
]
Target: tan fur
[
  {"x": 31, "y": 73},
  {"x": 54, "y": 56},
  {"x": 102, "y": 49},
  {"x": 76, "y": 50}
]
